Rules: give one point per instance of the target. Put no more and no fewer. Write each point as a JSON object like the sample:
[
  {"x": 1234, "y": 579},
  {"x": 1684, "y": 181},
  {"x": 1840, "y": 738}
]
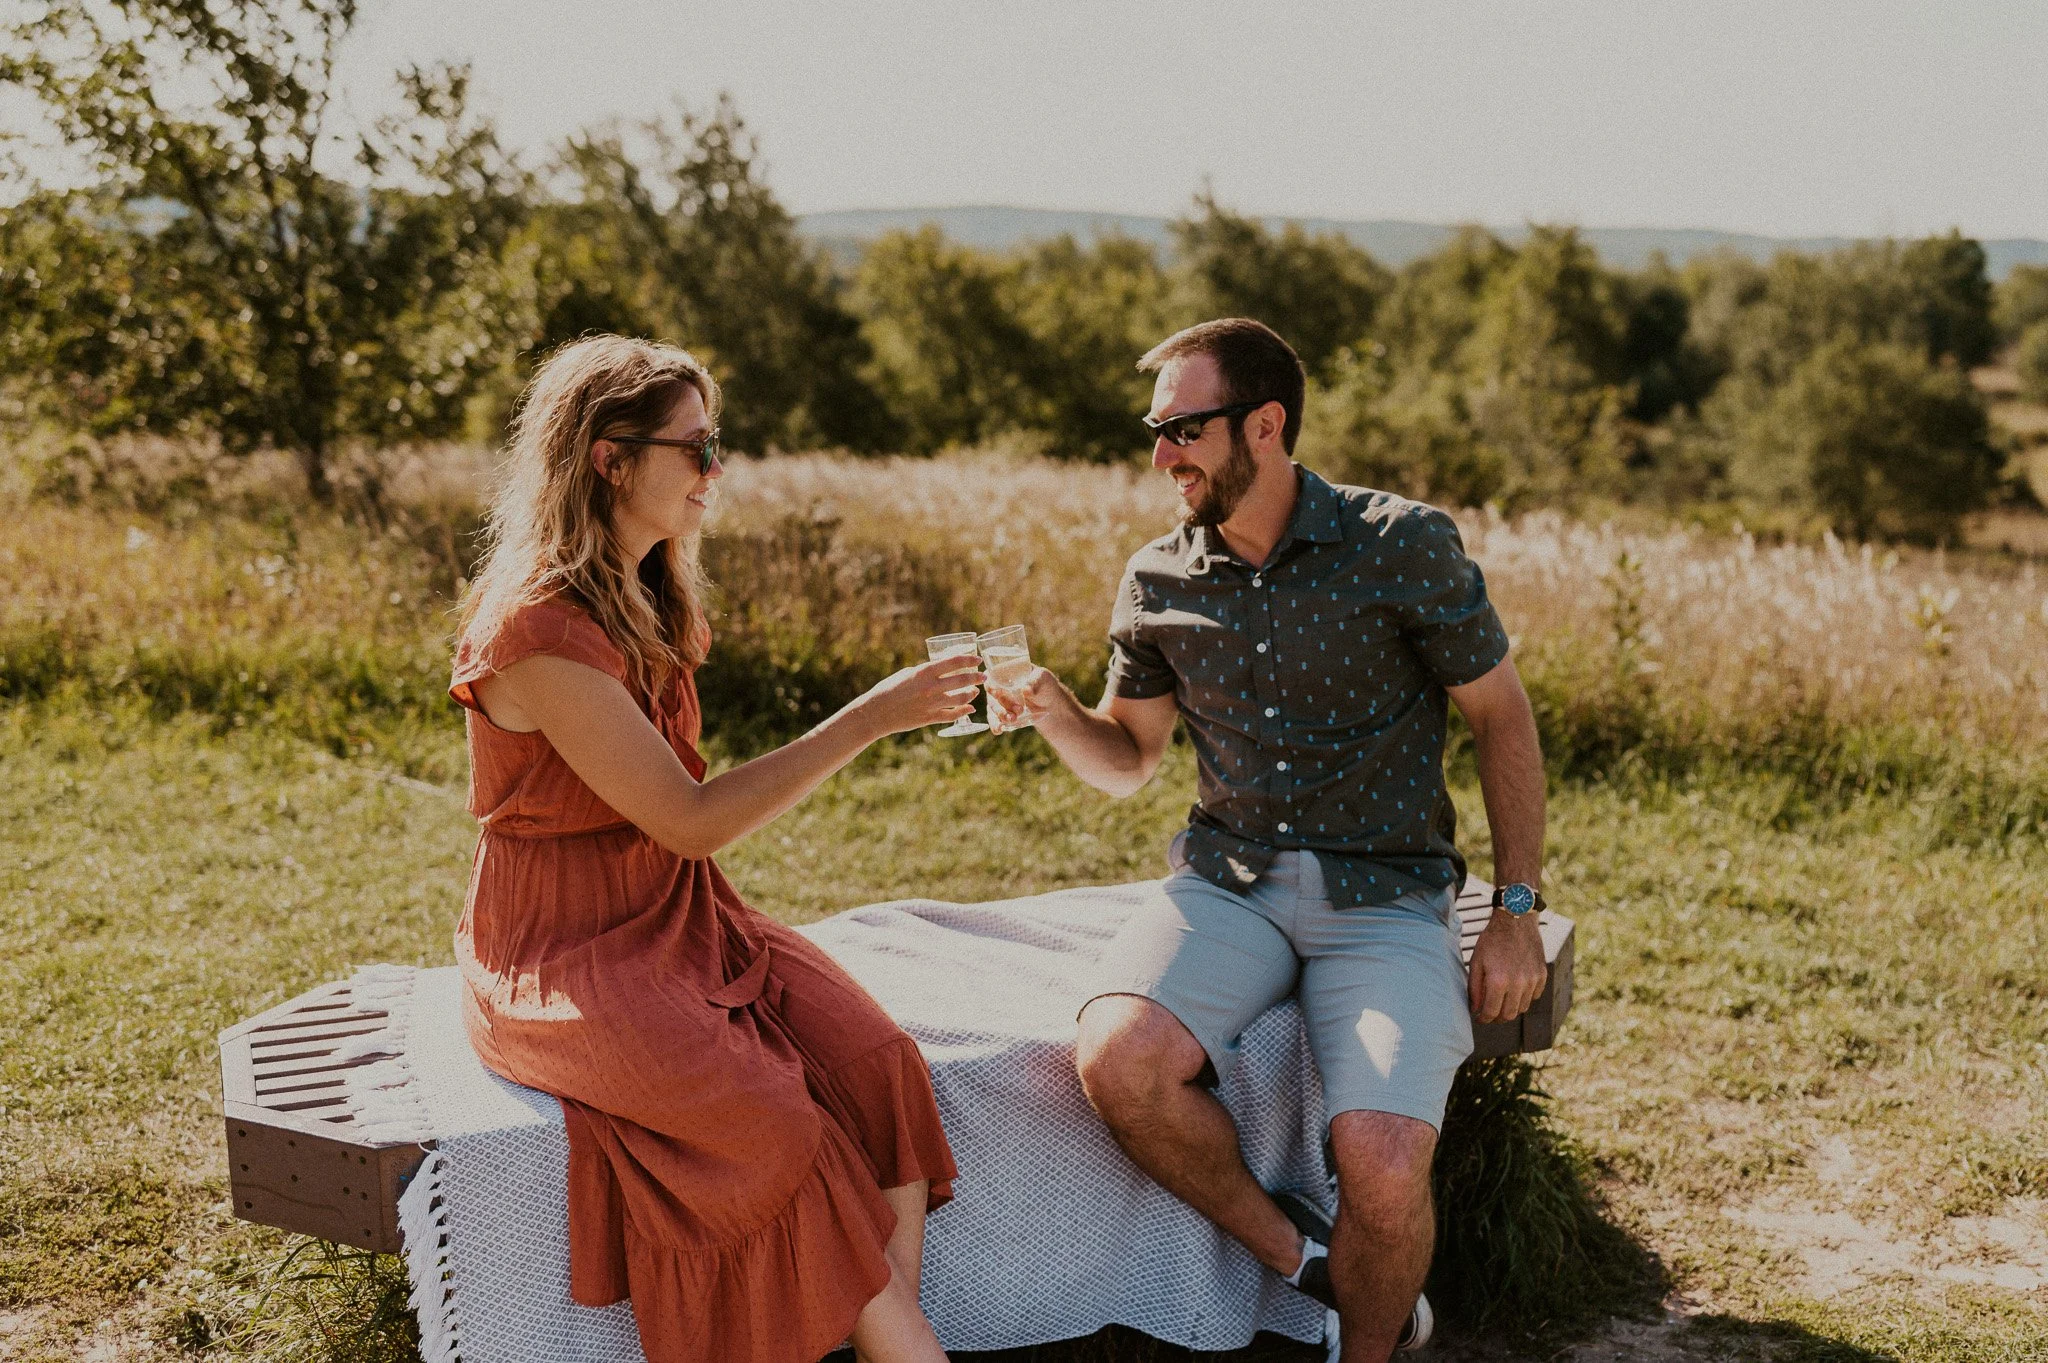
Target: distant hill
[{"x": 1392, "y": 242}]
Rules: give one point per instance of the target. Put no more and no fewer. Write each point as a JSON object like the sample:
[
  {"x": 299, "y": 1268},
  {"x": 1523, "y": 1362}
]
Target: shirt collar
[{"x": 1317, "y": 519}]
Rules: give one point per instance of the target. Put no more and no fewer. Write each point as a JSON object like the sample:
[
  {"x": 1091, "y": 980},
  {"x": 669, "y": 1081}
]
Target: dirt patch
[{"x": 1842, "y": 1251}]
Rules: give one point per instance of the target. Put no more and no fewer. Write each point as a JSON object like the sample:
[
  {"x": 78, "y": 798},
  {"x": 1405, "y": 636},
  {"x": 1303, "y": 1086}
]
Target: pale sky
[{"x": 1793, "y": 117}]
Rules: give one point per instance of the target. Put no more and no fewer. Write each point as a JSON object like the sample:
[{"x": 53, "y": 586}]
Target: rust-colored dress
[{"x": 735, "y": 1102}]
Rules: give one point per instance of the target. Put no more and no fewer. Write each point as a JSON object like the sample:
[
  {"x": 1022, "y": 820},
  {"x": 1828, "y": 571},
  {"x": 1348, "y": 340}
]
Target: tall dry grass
[
  {"x": 1849, "y": 668},
  {"x": 1852, "y": 667}
]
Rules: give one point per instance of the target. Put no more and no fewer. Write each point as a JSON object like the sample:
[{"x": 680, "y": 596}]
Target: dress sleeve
[
  {"x": 1445, "y": 613},
  {"x": 1137, "y": 669},
  {"x": 555, "y": 628}
]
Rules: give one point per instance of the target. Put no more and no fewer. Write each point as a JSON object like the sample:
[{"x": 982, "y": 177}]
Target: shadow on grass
[{"x": 1780, "y": 1341}]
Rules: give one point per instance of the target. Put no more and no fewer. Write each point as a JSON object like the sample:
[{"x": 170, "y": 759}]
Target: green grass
[{"x": 1754, "y": 994}]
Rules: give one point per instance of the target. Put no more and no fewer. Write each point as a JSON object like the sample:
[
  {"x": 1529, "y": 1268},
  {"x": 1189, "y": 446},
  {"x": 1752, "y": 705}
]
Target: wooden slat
[
  {"x": 1535, "y": 1030},
  {"x": 337, "y": 1031},
  {"x": 327, "y": 1185},
  {"x": 293, "y": 1160}
]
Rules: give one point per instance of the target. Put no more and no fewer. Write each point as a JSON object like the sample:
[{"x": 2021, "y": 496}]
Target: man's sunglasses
[
  {"x": 705, "y": 447},
  {"x": 1186, "y": 428}
]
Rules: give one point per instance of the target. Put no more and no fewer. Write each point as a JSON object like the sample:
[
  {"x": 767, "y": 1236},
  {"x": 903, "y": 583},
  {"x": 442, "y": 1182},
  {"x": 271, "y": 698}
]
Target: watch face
[{"x": 1518, "y": 899}]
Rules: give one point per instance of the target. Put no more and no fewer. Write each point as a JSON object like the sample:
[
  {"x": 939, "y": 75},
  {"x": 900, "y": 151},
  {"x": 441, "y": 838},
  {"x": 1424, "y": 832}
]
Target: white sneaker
[{"x": 1421, "y": 1325}]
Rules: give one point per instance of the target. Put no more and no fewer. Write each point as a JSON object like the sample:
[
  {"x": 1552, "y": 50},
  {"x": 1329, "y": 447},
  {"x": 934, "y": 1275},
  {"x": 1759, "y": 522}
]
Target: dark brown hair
[{"x": 1256, "y": 365}]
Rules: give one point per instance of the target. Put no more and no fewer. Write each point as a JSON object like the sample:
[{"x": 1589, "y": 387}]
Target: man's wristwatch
[{"x": 1519, "y": 900}]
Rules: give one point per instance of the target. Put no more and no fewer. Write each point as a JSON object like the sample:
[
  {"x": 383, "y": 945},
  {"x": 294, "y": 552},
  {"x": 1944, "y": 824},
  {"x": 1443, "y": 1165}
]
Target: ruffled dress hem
[{"x": 739, "y": 1299}]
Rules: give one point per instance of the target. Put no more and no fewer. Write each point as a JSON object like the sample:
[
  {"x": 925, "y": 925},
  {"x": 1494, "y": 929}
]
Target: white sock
[{"x": 1310, "y": 1249}]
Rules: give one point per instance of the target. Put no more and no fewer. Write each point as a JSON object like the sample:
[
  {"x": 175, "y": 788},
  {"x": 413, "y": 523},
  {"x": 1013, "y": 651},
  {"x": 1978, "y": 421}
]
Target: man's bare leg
[
  {"x": 1386, "y": 1227},
  {"x": 1140, "y": 1066}
]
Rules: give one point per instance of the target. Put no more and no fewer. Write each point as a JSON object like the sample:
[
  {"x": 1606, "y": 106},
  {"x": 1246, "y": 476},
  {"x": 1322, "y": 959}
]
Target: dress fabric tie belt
[{"x": 746, "y": 988}]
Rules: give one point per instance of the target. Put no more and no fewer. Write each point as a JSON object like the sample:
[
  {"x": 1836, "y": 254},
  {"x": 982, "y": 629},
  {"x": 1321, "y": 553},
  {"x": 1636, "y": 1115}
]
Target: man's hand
[
  {"x": 1508, "y": 970},
  {"x": 1013, "y": 707}
]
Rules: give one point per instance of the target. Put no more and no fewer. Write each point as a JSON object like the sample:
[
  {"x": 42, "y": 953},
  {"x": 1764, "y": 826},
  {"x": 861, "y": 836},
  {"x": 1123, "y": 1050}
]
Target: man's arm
[
  {"x": 1115, "y": 747},
  {"x": 1508, "y": 969}
]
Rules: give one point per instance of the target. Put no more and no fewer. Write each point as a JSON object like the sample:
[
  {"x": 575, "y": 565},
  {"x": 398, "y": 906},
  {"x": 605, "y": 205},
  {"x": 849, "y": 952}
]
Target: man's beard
[{"x": 1222, "y": 491}]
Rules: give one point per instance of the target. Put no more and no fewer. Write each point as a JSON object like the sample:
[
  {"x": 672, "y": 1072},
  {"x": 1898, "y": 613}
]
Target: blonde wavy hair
[{"x": 549, "y": 532}]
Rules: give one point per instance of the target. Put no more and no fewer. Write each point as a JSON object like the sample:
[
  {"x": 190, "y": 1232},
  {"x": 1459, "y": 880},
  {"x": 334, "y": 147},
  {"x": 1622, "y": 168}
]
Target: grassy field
[{"x": 1800, "y": 813}]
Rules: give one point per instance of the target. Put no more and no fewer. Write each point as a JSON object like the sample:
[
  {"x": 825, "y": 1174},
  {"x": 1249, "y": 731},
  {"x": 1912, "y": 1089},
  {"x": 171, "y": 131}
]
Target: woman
[{"x": 753, "y": 1145}]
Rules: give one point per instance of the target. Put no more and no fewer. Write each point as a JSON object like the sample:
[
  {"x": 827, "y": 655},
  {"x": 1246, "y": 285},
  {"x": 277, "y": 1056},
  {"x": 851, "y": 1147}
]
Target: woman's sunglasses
[
  {"x": 1186, "y": 428},
  {"x": 705, "y": 447}
]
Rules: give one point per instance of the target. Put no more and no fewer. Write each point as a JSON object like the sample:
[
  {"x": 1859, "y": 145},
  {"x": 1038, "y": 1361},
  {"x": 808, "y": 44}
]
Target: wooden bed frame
[{"x": 295, "y": 1162}]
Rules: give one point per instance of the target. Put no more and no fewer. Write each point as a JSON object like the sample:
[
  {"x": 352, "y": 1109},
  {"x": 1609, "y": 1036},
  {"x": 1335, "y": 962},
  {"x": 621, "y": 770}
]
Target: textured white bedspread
[{"x": 1052, "y": 1235}]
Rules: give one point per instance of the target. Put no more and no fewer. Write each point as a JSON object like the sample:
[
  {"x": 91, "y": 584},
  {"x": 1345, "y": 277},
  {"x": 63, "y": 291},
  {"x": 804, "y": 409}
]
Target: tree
[
  {"x": 1091, "y": 313},
  {"x": 1881, "y": 441},
  {"x": 951, "y": 356},
  {"x": 2030, "y": 357},
  {"x": 1434, "y": 302},
  {"x": 1930, "y": 295},
  {"x": 1498, "y": 374},
  {"x": 2021, "y": 301},
  {"x": 1407, "y": 430},
  {"x": 1319, "y": 292},
  {"x": 718, "y": 264},
  {"x": 272, "y": 300}
]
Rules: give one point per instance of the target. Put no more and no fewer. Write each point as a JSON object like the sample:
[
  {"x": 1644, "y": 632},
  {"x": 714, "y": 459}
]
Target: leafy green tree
[
  {"x": 2030, "y": 357},
  {"x": 1433, "y": 305},
  {"x": 273, "y": 301},
  {"x": 1498, "y": 374},
  {"x": 1663, "y": 371},
  {"x": 1319, "y": 292},
  {"x": 1881, "y": 441},
  {"x": 1407, "y": 430},
  {"x": 1931, "y": 295},
  {"x": 86, "y": 346},
  {"x": 1091, "y": 313},
  {"x": 1546, "y": 376},
  {"x": 2021, "y": 301},
  {"x": 953, "y": 359},
  {"x": 716, "y": 262},
  {"x": 1948, "y": 305}
]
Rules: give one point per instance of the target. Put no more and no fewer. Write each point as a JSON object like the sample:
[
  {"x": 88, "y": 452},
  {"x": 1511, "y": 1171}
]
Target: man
[{"x": 1310, "y": 636}]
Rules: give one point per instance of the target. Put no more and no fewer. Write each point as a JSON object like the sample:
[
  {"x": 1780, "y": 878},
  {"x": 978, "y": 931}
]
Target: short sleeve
[
  {"x": 1137, "y": 669},
  {"x": 555, "y": 628},
  {"x": 1446, "y": 615}
]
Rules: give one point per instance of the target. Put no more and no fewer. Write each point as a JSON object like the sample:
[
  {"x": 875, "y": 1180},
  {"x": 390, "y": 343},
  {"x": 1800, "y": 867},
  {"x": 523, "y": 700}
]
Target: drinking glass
[
  {"x": 1007, "y": 659},
  {"x": 953, "y": 646}
]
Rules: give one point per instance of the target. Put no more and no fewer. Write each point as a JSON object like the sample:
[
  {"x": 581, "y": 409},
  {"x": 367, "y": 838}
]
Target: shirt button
[
  {"x": 1270, "y": 712},
  {"x": 1283, "y": 766},
  {"x": 1262, "y": 648},
  {"x": 1258, "y": 582},
  {"x": 1283, "y": 828}
]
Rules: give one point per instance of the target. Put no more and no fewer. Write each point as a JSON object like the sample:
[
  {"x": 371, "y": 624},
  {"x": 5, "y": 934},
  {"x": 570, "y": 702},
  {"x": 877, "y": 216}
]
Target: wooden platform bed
[{"x": 295, "y": 1162}]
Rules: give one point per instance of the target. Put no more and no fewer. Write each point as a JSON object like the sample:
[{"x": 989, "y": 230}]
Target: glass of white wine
[
  {"x": 954, "y": 646},
  {"x": 1007, "y": 657}
]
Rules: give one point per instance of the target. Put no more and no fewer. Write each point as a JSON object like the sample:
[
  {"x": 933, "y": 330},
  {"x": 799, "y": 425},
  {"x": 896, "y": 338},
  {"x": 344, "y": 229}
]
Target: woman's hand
[{"x": 937, "y": 692}]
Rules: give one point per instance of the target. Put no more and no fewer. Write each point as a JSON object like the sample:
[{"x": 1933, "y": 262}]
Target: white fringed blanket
[{"x": 1052, "y": 1235}]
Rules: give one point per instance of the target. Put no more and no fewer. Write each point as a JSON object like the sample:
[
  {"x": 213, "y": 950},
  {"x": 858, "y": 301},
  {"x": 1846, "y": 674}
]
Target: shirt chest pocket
[
  {"x": 1208, "y": 651},
  {"x": 1343, "y": 660}
]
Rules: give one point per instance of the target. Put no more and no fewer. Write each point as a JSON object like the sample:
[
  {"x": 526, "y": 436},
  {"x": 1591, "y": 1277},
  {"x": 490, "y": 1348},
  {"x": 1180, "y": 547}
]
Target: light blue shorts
[{"x": 1382, "y": 989}]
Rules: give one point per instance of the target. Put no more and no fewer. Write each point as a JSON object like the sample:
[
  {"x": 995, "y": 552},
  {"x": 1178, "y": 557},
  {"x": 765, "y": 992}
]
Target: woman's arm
[{"x": 600, "y": 732}]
